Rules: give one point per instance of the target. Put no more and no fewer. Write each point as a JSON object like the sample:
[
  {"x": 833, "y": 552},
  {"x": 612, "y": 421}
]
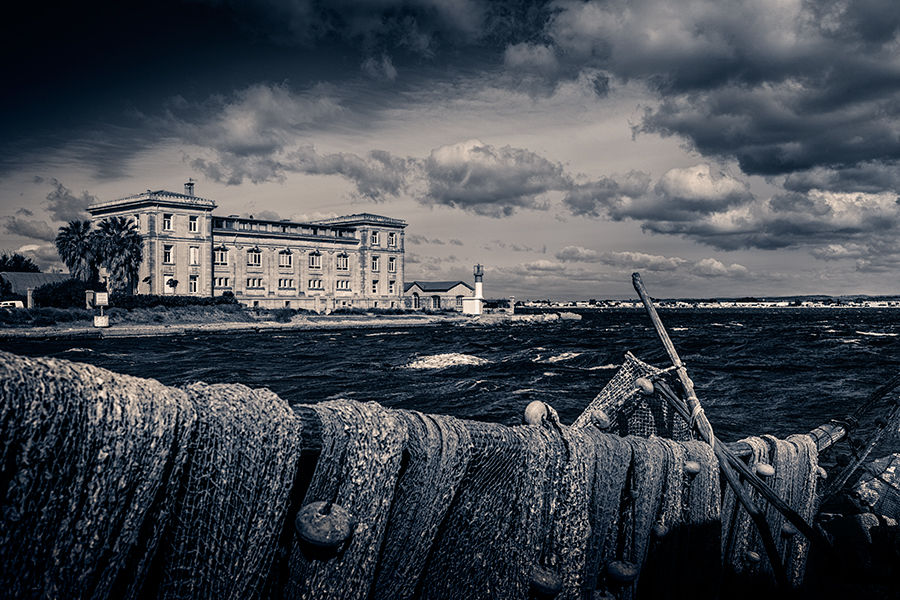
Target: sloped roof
[
  {"x": 435, "y": 286},
  {"x": 20, "y": 282}
]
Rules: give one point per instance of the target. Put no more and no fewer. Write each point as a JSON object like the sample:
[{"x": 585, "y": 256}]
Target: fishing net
[
  {"x": 796, "y": 463},
  {"x": 90, "y": 465},
  {"x": 120, "y": 487},
  {"x": 243, "y": 457},
  {"x": 878, "y": 488},
  {"x": 629, "y": 411}
]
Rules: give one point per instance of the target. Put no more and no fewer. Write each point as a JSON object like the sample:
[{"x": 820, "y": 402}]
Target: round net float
[
  {"x": 765, "y": 470},
  {"x": 535, "y": 413},
  {"x": 822, "y": 473},
  {"x": 324, "y": 524},
  {"x": 622, "y": 571},
  {"x": 660, "y": 530},
  {"x": 644, "y": 385},
  {"x": 545, "y": 583},
  {"x": 691, "y": 467},
  {"x": 788, "y": 529},
  {"x": 752, "y": 557},
  {"x": 600, "y": 419}
]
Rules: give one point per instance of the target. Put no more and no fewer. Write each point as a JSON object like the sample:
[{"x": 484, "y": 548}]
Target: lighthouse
[{"x": 473, "y": 305}]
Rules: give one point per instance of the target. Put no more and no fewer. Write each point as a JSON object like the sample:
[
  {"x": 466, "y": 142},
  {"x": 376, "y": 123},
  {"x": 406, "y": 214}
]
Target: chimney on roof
[{"x": 189, "y": 187}]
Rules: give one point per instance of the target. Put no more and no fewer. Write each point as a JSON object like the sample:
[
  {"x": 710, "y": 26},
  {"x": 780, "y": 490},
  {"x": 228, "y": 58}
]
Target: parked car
[{"x": 12, "y": 304}]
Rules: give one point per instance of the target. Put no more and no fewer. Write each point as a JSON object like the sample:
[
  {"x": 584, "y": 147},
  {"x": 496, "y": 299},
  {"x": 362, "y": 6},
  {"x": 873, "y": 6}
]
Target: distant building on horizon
[
  {"x": 349, "y": 261},
  {"x": 436, "y": 295}
]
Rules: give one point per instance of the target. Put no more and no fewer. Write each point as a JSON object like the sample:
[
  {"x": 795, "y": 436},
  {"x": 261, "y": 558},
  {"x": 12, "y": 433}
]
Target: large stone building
[{"x": 351, "y": 261}]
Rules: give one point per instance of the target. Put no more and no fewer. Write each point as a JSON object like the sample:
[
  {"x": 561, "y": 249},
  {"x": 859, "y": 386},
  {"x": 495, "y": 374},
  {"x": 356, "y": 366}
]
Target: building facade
[
  {"x": 436, "y": 295},
  {"x": 350, "y": 261}
]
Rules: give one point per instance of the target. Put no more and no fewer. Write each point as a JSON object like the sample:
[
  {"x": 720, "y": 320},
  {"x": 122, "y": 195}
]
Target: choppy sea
[{"x": 779, "y": 371}]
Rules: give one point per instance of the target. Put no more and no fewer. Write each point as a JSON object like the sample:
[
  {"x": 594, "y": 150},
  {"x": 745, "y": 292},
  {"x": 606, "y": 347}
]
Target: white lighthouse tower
[{"x": 473, "y": 305}]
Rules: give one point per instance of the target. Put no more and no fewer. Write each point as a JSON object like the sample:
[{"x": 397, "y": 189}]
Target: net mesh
[
  {"x": 629, "y": 411},
  {"x": 120, "y": 487}
]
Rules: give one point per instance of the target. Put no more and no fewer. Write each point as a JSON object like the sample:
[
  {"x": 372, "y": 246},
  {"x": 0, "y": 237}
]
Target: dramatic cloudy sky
[{"x": 719, "y": 147}]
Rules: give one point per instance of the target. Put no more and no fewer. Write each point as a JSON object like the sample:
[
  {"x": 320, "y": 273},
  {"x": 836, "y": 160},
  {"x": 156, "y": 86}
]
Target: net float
[
  {"x": 691, "y": 467},
  {"x": 622, "y": 571},
  {"x": 324, "y": 524},
  {"x": 788, "y": 529},
  {"x": 660, "y": 530},
  {"x": 600, "y": 419},
  {"x": 644, "y": 385},
  {"x": 545, "y": 582},
  {"x": 535, "y": 413},
  {"x": 765, "y": 470},
  {"x": 752, "y": 557}
]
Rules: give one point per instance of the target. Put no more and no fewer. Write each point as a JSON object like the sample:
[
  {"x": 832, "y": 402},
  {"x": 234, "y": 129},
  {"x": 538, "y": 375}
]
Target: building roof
[
  {"x": 21, "y": 282},
  {"x": 361, "y": 219},
  {"x": 159, "y": 196},
  {"x": 435, "y": 286}
]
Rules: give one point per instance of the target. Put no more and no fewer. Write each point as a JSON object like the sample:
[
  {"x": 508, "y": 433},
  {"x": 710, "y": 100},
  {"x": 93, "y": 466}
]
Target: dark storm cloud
[
  {"x": 36, "y": 230},
  {"x": 63, "y": 204},
  {"x": 489, "y": 181},
  {"x": 780, "y": 87}
]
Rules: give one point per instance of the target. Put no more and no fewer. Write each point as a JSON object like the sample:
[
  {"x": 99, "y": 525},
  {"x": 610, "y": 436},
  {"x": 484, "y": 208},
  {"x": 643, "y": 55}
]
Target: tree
[
  {"x": 16, "y": 263},
  {"x": 172, "y": 283},
  {"x": 121, "y": 250},
  {"x": 76, "y": 246}
]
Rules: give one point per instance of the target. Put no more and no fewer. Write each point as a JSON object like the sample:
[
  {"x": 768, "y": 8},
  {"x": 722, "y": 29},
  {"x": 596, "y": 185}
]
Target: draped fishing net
[
  {"x": 114, "y": 486},
  {"x": 629, "y": 411},
  {"x": 796, "y": 463}
]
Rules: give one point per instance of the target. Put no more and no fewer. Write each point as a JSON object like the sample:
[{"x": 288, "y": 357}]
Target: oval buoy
[
  {"x": 691, "y": 467},
  {"x": 765, "y": 470},
  {"x": 752, "y": 557},
  {"x": 821, "y": 472},
  {"x": 789, "y": 529},
  {"x": 660, "y": 530},
  {"x": 324, "y": 524},
  {"x": 544, "y": 582},
  {"x": 600, "y": 419},
  {"x": 622, "y": 571},
  {"x": 644, "y": 385},
  {"x": 535, "y": 413}
]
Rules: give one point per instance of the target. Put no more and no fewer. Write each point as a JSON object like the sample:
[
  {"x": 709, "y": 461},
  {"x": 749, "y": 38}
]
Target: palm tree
[
  {"x": 75, "y": 245},
  {"x": 121, "y": 250}
]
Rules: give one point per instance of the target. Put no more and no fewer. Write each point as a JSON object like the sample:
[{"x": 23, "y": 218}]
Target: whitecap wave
[
  {"x": 562, "y": 357},
  {"x": 876, "y": 333},
  {"x": 442, "y": 361}
]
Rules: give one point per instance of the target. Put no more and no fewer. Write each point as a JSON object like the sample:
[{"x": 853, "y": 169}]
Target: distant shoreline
[{"x": 299, "y": 323}]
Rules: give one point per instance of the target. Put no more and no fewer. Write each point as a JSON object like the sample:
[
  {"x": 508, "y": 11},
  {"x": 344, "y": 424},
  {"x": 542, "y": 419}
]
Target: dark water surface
[{"x": 756, "y": 371}]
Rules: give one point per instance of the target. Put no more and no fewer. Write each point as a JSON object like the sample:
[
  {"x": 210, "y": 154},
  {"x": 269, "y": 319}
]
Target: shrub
[
  {"x": 64, "y": 294},
  {"x": 131, "y": 302}
]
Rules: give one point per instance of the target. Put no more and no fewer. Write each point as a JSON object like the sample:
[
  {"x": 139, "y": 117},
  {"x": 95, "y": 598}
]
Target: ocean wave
[
  {"x": 79, "y": 350},
  {"x": 877, "y": 333},
  {"x": 603, "y": 367},
  {"x": 560, "y": 357},
  {"x": 442, "y": 361}
]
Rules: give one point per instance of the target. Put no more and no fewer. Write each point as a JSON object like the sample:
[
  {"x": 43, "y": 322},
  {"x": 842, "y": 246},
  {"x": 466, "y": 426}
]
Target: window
[
  {"x": 221, "y": 282},
  {"x": 391, "y": 287},
  {"x": 220, "y": 257},
  {"x": 374, "y": 286},
  {"x": 169, "y": 254},
  {"x": 287, "y": 303},
  {"x": 315, "y": 284},
  {"x": 254, "y": 282},
  {"x": 285, "y": 260},
  {"x": 392, "y": 239},
  {"x": 375, "y": 264},
  {"x": 376, "y": 240},
  {"x": 285, "y": 283},
  {"x": 167, "y": 222},
  {"x": 343, "y": 284},
  {"x": 392, "y": 264},
  {"x": 137, "y": 222},
  {"x": 192, "y": 284},
  {"x": 192, "y": 225},
  {"x": 342, "y": 262},
  {"x": 195, "y": 255},
  {"x": 254, "y": 258},
  {"x": 315, "y": 261},
  {"x": 459, "y": 302}
]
